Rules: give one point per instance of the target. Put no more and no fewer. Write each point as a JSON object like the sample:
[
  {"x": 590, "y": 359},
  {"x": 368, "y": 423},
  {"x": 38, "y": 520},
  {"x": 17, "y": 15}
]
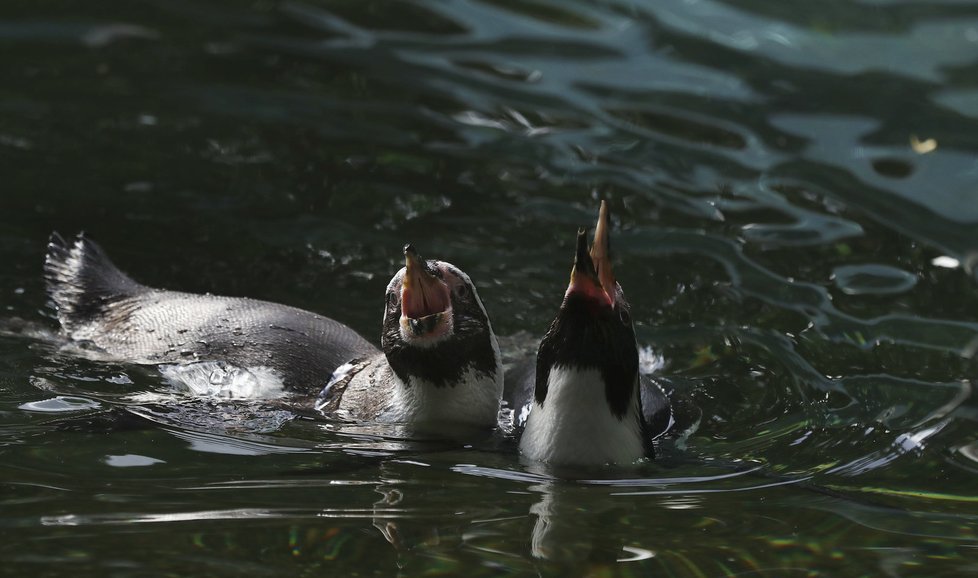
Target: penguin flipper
[
  {"x": 669, "y": 408},
  {"x": 82, "y": 281},
  {"x": 656, "y": 407}
]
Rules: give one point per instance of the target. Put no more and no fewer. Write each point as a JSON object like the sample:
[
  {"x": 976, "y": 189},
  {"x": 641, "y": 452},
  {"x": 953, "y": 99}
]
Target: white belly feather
[
  {"x": 575, "y": 425},
  {"x": 474, "y": 400}
]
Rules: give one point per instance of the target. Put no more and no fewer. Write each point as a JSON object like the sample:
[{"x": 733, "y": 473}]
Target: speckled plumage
[
  {"x": 127, "y": 321},
  {"x": 97, "y": 303}
]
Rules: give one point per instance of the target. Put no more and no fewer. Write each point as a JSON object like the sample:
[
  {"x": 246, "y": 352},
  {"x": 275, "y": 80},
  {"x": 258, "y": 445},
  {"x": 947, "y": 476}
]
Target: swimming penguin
[
  {"x": 589, "y": 405},
  {"x": 440, "y": 360}
]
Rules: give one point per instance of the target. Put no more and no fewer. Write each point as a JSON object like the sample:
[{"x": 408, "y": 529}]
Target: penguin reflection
[{"x": 568, "y": 533}]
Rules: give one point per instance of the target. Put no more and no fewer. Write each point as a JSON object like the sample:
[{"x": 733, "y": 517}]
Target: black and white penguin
[
  {"x": 440, "y": 361},
  {"x": 590, "y": 405}
]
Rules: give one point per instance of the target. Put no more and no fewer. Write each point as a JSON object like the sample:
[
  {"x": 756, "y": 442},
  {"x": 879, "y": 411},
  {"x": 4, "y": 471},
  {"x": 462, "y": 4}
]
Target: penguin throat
[
  {"x": 582, "y": 339},
  {"x": 424, "y": 297},
  {"x": 429, "y": 330},
  {"x": 441, "y": 363}
]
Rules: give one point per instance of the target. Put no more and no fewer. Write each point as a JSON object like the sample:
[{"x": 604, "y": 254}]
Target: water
[{"x": 795, "y": 189}]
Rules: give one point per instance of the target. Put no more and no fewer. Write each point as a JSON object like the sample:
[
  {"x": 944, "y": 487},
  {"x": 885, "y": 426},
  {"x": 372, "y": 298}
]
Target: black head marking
[{"x": 442, "y": 364}]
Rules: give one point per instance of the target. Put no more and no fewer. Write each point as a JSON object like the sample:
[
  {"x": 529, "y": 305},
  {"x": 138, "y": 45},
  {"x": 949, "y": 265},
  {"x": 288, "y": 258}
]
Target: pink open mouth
[{"x": 425, "y": 299}]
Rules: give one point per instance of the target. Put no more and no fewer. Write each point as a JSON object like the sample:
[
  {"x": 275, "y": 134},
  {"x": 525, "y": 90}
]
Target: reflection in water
[
  {"x": 871, "y": 279},
  {"x": 60, "y": 403},
  {"x": 795, "y": 189},
  {"x": 222, "y": 444},
  {"x": 566, "y": 532},
  {"x": 905, "y": 443},
  {"x": 970, "y": 451},
  {"x": 916, "y": 523}
]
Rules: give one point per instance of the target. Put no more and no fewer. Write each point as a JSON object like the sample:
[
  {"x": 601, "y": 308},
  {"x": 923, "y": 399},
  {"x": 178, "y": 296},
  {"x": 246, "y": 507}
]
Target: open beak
[
  {"x": 601, "y": 252},
  {"x": 425, "y": 299},
  {"x": 592, "y": 275}
]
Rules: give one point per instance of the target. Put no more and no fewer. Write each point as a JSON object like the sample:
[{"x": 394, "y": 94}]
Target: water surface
[{"x": 795, "y": 190}]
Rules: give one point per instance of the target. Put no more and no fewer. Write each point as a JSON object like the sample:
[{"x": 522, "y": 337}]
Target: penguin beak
[
  {"x": 425, "y": 299},
  {"x": 601, "y": 253},
  {"x": 592, "y": 275}
]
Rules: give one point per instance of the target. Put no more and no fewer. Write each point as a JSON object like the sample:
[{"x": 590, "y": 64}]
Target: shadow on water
[{"x": 794, "y": 191}]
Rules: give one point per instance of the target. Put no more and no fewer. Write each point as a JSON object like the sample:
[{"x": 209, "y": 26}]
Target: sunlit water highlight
[{"x": 794, "y": 192}]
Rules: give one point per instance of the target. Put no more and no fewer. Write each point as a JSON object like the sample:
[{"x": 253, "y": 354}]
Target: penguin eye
[
  {"x": 461, "y": 291},
  {"x": 391, "y": 299}
]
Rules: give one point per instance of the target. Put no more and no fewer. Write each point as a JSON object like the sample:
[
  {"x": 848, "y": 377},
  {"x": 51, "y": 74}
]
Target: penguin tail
[{"x": 82, "y": 282}]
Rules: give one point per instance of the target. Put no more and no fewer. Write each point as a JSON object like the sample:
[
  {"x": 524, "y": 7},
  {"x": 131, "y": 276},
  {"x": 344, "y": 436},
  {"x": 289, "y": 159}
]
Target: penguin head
[
  {"x": 593, "y": 328},
  {"x": 435, "y": 325}
]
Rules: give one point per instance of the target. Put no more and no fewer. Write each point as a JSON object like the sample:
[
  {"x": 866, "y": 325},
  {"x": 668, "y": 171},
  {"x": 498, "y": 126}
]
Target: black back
[{"x": 135, "y": 323}]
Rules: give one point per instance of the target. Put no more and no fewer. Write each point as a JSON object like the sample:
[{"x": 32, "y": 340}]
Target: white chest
[
  {"x": 575, "y": 425},
  {"x": 473, "y": 401}
]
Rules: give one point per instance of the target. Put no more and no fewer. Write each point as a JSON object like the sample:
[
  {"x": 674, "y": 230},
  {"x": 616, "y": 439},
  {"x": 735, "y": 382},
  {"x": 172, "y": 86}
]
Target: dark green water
[{"x": 796, "y": 190}]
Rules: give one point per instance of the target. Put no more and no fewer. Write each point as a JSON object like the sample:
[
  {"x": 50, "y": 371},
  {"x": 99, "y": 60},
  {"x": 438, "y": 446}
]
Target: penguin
[
  {"x": 589, "y": 405},
  {"x": 439, "y": 360}
]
